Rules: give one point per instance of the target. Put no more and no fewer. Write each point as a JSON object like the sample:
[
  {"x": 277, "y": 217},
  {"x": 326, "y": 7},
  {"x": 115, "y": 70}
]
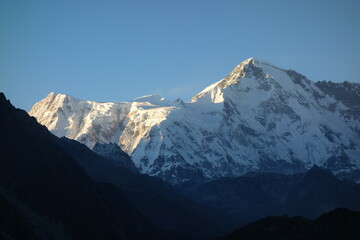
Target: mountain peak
[
  {"x": 53, "y": 99},
  {"x": 317, "y": 170},
  {"x": 250, "y": 68},
  {"x": 318, "y": 174},
  {"x": 60, "y": 96},
  {"x": 52, "y": 94},
  {"x": 3, "y": 99},
  {"x": 254, "y": 61},
  {"x": 249, "y": 60}
]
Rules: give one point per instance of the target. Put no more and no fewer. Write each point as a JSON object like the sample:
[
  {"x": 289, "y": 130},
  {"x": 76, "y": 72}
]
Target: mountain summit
[
  {"x": 258, "y": 118},
  {"x": 247, "y": 69}
]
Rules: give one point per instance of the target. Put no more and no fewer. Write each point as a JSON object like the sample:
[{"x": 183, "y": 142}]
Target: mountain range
[
  {"x": 57, "y": 188},
  {"x": 260, "y": 118}
]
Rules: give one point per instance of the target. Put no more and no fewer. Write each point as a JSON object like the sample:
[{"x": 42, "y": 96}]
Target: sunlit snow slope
[{"x": 258, "y": 118}]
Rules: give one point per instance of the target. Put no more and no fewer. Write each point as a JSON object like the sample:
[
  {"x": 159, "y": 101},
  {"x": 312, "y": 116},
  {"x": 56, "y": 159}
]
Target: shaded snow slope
[{"x": 258, "y": 118}]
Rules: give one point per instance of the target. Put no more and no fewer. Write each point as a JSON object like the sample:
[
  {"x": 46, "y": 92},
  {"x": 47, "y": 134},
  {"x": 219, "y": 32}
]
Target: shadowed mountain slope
[{"x": 257, "y": 195}]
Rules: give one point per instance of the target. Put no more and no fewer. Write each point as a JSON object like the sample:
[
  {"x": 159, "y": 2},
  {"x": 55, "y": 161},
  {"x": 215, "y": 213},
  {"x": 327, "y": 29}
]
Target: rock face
[
  {"x": 258, "y": 118},
  {"x": 346, "y": 92}
]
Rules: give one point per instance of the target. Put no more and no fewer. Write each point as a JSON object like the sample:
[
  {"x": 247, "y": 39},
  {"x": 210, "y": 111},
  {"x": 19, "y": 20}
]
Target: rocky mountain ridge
[{"x": 258, "y": 118}]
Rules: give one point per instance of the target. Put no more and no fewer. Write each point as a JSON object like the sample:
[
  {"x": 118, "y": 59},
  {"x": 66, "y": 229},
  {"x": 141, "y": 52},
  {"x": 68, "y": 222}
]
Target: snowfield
[{"x": 258, "y": 118}]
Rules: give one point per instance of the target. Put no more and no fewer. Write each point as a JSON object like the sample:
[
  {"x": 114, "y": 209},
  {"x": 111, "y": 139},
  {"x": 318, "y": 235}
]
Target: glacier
[{"x": 258, "y": 118}]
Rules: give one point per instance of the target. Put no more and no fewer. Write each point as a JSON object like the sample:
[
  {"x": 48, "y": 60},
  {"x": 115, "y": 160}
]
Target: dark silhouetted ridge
[{"x": 338, "y": 224}]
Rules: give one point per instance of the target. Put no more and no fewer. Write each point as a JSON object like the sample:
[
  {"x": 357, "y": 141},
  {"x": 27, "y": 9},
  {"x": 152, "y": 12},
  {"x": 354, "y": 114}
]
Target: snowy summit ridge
[{"x": 258, "y": 118}]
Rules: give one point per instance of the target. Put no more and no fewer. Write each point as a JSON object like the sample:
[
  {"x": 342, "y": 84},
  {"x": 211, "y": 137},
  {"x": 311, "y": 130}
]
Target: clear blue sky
[{"x": 119, "y": 50}]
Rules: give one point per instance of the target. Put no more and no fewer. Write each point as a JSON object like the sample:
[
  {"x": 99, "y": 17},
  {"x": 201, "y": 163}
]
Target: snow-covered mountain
[{"x": 258, "y": 118}]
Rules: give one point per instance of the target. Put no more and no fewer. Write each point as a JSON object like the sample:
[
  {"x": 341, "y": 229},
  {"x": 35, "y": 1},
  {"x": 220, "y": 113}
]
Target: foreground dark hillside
[
  {"x": 165, "y": 207},
  {"x": 338, "y": 224},
  {"x": 45, "y": 194}
]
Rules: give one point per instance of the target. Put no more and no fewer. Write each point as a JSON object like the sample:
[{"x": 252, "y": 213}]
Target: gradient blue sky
[{"x": 119, "y": 50}]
